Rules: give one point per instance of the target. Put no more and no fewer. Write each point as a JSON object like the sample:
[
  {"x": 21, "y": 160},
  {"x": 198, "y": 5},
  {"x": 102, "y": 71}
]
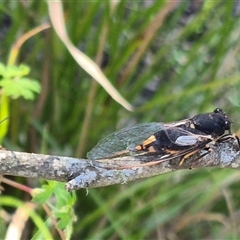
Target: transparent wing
[{"x": 119, "y": 142}]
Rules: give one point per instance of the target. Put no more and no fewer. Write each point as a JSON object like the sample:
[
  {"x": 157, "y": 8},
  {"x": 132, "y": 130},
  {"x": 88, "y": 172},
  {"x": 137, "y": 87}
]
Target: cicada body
[{"x": 158, "y": 141}]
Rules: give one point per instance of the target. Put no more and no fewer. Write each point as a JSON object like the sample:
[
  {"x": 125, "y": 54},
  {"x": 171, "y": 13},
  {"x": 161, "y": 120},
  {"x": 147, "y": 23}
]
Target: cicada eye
[{"x": 218, "y": 110}]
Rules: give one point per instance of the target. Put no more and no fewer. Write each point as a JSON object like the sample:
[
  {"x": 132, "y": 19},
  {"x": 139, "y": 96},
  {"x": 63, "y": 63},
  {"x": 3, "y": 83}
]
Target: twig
[{"x": 84, "y": 173}]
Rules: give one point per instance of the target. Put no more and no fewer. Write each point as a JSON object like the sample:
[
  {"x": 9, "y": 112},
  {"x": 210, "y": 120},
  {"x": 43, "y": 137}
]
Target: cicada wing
[
  {"x": 123, "y": 141},
  {"x": 176, "y": 124}
]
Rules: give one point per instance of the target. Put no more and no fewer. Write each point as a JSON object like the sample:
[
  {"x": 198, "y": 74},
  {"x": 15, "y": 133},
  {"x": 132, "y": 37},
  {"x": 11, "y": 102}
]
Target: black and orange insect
[{"x": 160, "y": 142}]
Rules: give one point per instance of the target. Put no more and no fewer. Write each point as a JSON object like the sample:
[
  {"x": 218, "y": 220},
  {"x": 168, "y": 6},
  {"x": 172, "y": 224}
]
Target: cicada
[{"x": 160, "y": 142}]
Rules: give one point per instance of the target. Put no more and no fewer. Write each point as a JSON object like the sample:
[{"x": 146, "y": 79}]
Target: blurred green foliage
[
  {"x": 189, "y": 66},
  {"x": 14, "y": 85}
]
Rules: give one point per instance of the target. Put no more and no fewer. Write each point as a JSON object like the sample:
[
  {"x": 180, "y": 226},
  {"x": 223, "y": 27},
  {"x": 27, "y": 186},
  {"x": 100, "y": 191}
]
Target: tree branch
[{"x": 84, "y": 173}]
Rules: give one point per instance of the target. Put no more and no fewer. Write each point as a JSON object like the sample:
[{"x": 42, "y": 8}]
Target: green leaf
[
  {"x": 14, "y": 71},
  {"x": 4, "y": 114},
  {"x": 22, "y": 87},
  {"x": 15, "y": 85},
  {"x": 42, "y": 195}
]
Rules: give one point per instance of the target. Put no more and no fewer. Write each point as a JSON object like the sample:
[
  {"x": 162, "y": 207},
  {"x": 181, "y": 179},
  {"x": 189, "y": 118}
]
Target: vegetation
[{"x": 170, "y": 61}]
